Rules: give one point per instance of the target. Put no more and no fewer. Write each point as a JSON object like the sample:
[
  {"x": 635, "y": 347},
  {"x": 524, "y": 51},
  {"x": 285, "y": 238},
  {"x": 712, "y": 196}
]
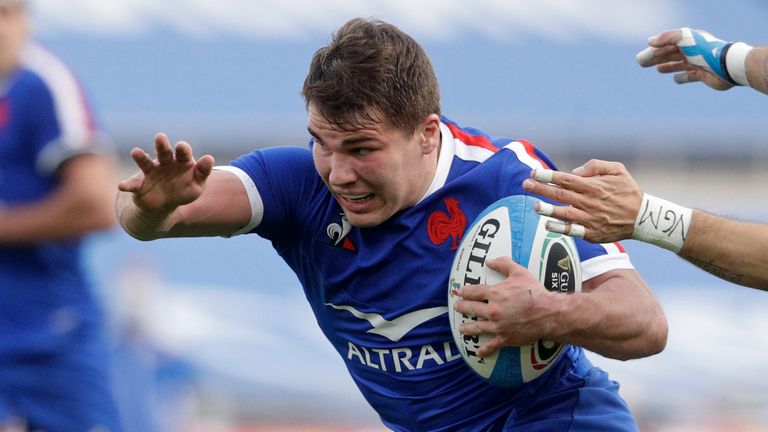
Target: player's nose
[{"x": 342, "y": 170}]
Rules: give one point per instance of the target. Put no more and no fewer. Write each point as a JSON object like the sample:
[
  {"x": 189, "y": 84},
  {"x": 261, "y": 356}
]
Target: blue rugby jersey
[
  {"x": 380, "y": 294},
  {"x": 44, "y": 120}
]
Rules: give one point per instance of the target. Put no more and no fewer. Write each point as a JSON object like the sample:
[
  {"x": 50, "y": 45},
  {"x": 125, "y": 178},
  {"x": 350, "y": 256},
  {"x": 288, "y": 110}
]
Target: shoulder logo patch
[{"x": 442, "y": 225}]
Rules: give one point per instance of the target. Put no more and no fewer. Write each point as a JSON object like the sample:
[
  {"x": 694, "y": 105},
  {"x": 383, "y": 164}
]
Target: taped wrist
[
  {"x": 734, "y": 63},
  {"x": 662, "y": 223}
]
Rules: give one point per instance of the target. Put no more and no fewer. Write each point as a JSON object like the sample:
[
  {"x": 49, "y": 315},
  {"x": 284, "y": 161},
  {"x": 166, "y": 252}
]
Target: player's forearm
[
  {"x": 757, "y": 68},
  {"x": 56, "y": 218},
  {"x": 616, "y": 316},
  {"x": 81, "y": 203},
  {"x": 196, "y": 219},
  {"x": 221, "y": 210},
  {"x": 734, "y": 251},
  {"x": 140, "y": 224}
]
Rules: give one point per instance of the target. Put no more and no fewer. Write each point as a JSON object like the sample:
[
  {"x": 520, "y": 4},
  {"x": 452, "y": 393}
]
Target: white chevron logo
[{"x": 397, "y": 328}]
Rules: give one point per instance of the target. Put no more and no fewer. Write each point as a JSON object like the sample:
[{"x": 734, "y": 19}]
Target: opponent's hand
[
  {"x": 604, "y": 199},
  {"x": 171, "y": 180},
  {"x": 518, "y": 310},
  {"x": 693, "y": 55}
]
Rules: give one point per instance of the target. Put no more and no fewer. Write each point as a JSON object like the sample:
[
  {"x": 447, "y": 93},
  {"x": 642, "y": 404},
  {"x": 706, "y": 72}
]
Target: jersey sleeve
[
  {"x": 520, "y": 157},
  {"x": 597, "y": 259},
  {"x": 279, "y": 181},
  {"x": 62, "y": 123}
]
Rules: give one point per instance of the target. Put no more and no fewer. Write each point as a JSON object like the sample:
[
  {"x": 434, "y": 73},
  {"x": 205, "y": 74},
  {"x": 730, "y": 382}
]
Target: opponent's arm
[
  {"x": 615, "y": 315},
  {"x": 757, "y": 68},
  {"x": 81, "y": 203},
  {"x": 695, "y": 55},
  {"x": 175, "y": 195},
  {"x": 605, "y": 199},
  {"x": 734, "y": 251}
]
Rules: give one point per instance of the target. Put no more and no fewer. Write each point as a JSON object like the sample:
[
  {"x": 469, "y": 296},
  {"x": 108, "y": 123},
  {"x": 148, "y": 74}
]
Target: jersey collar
[{"x": 444, "y": 160}]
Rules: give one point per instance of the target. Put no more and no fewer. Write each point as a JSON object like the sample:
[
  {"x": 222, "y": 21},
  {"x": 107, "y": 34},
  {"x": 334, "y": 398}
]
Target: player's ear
[{"x": 429, "y": 130}]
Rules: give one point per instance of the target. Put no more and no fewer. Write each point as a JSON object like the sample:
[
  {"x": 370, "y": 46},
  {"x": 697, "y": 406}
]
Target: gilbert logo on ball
[{"x": 510, "y": 227}]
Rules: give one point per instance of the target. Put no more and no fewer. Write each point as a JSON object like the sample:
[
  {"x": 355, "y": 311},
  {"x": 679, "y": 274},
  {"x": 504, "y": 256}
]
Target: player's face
[
  {"x": 13, "y": 33},
  {"x": 376, "y": 170}
]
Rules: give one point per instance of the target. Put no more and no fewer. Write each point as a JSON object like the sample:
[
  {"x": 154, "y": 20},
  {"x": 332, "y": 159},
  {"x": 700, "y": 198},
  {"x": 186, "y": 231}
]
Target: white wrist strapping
[
  {"x": 736, "y": 62},
  {"x": 662, "y": 223}
]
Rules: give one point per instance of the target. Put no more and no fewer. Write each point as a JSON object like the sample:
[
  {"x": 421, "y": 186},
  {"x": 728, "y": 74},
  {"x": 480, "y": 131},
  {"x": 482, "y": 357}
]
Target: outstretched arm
[
  {"x": 757, "y": 68},
  {"x": 734, "y": 251},
  {"x": 175, "y": 195},
  {"x": 605, "y": 199},
  {"x": 695, "y": 55},
  {"x": 615, "y": 315}
]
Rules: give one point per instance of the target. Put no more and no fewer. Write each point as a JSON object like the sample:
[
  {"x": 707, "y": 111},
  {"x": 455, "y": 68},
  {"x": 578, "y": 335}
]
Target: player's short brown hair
[{"x": 369, "y": 68}]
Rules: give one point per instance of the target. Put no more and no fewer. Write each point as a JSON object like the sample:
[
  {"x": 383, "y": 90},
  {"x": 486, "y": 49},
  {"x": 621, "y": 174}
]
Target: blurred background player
[
  {"x": 608, "y": 205},
  {"x": 353, "y": 217},
  {"x": 55, "y": 187}
]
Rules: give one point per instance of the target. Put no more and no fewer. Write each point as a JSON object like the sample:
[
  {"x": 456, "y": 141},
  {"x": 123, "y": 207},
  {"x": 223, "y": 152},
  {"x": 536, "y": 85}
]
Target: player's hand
[
  {"x": 604, "y": 199},
  {"x": 518, "y": 310},
  {"x": 693, "y": 55},
  {"x": 173, "y": 179}
]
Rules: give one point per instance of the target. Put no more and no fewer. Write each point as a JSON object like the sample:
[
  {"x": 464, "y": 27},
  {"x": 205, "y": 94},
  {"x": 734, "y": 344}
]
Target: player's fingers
[
  {"x": 670, "y": 67},
  {"x": 560, "y": 194},
  {"x": 687, "y": 77},
  {"x": 563, "y": 213},
  {"x": 568, "y": 181},
  {"x": 471, "y": 308},
  {"x": 132, "y": 184},
  {"x": 543, "y": 175},
  {"x": 204, "y": 168},
  {"x": 491, "y": 347},
  {"x": 183, "y": 151},
  {"x": 473, "y": 292},
  {"x": 652, "y": 56},
  {"x": 666, "y": 54},
  {"x": 143, "y": 160},
  {"x": 544, "y": 208},
  {"x": 695, "y": 75},
  {"x": 558, "y": 178},
  {"x": 574, "y": 181},
  {"x": 660, "y": 55},
  {"x": 645, "y": 56},
  {"x": 667, "y": 37},
  {"x": 569, "y": 229},
  {"x": 163, "y": 149},
  {"x": 682, "y": 78},
  {"x": 597, "y": 167},
  {"x": 588, "y": 169},
  {"x": 476, "y": 327},
  {"x": 504, "y": 265}
]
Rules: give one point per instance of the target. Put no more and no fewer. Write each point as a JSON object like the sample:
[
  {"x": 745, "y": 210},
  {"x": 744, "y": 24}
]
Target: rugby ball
[{"x": 511, "y": 227}]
